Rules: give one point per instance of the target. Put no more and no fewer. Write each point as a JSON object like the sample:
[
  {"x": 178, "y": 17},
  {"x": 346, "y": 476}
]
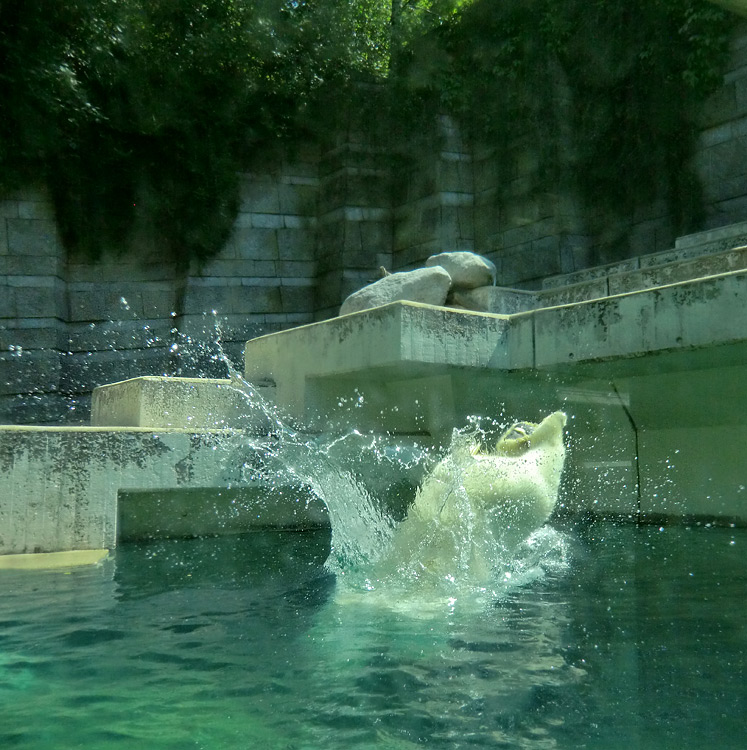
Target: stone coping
[
  {"x": 165, "y": 402},
  {"x": 700, "y": 249},
  {"x": 108, "y": 429},
  {"x": 187, "y": 381},
  {"x": 413, "y": 338}
]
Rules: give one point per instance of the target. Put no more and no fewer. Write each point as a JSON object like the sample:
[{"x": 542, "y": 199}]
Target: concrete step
[
  {"x": 504, "y": 301},
  {"x": 167, "y": 402},
  {"x": 647, "y": 277},
  {"x": 590, "y": 274},
  {"x": 707, "y": 243}
]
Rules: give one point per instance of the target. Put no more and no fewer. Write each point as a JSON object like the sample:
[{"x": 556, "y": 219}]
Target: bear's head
[
  {"x": 516, "y": 484},
  {"x": 546, "y": 438}
]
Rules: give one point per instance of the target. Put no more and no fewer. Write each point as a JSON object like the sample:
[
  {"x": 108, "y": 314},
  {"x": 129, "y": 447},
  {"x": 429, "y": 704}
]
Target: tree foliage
[
  {"x": 139, "y": 113},
  {"x": 619, "y": 84}
]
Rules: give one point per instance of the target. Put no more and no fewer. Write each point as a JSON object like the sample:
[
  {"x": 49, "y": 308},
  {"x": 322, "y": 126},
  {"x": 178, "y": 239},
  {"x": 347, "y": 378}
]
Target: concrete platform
[
  {"x": 191, "y": 403},
  {"x": 654, "y": 382},
  {"x": 694, "y": 323},
  {"x": 70, "y": 488}
]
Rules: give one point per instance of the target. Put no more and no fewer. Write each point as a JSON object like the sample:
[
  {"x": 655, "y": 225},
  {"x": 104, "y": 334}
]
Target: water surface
[{"x": 244, "y": 642}]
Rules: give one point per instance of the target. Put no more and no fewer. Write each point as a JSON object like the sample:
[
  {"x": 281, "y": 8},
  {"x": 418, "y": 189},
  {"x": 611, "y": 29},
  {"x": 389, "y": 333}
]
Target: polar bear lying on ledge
[{"x": 477, "y": 505}]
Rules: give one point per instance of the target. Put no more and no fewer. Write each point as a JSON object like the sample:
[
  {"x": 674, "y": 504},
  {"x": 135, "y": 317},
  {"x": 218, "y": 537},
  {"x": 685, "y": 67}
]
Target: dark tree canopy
[
  {"x": 634, "y": 73},
  {"x": 138, "y": 114}
]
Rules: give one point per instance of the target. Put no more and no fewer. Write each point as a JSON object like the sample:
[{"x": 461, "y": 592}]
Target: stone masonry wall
[
  {"x": 434, "y": 203},
  {"x": 354, "y": 236},
  {"x": 531, "y": 234},
  {"x": 721, "y": 160},
  {"x": 67, "y": 326},
  {"x": 32, "y": 299},
  {"x": 312, "y": 229}
]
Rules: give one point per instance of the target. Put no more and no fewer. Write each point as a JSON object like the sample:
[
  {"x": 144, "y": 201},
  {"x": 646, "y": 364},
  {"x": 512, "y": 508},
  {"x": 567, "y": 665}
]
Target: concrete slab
[
  {"x": 713, "y": 240},
  {"x": 586, "y": 275},
  {"x": 693, "y": 254},
  {"x": 679, "y": 270},
  {"x": 496, "y": 300},
  {"x": 163, "y": 402},
  {"x": 400, "y": 348},
  {"x": 647, "y": 272},
  {"x": 641, "y": 374},
  {"x": 570, "y": 293},
  {"x": 61, "y": 486},
  {"x": 698, "y": 314},
  {"x": 407, "y": 341}
]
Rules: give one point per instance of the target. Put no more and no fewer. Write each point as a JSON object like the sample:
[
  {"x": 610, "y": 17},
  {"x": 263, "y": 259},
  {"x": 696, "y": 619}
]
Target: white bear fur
[{"x": 475, "y": 505}]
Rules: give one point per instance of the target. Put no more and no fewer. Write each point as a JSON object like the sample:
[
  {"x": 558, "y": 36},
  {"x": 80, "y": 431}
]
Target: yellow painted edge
[{"x": 48, "y": 560}]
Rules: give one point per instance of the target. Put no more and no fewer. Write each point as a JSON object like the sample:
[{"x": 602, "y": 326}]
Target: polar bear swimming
[{"x": 477, "y": 505}]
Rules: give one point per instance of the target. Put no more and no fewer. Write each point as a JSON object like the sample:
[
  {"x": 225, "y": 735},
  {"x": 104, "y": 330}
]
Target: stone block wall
[
  {"x": 721, "y": 161},
  {"x": 69, "y": 324},
  {"x": 354, "y": 235},
  {"x": 531, "y": 233},
  {"x": 312, "y": 228},
  {"x": 32, "y": 301},
  {"x": 434, "y": 201},
  {"x": 526, "y": 230},
  {"x": 263, "y": 279}
]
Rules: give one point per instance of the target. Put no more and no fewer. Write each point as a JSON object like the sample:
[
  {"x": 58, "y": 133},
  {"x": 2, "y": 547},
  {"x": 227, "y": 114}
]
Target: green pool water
[{"x": 243, "y": 642}]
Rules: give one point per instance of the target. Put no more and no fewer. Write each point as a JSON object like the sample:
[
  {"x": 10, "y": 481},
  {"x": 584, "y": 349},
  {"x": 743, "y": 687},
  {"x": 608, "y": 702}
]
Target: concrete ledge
[
  {"x": 496, "y": 300},
  {"x": 656, "y": 381},
  {"x": 395, "y": 343},
  {"x": 678, "y": 318},
  {"x": 695, "y": 255},
  {"x": 50, "y": 560},
  {"x": 162, "y": 402},
  {"x": 680, "y": 270},
  {"x": 405, "y": 340},
  {"x": 60, "y": 487},
  {"x": 662, "y": 269}
]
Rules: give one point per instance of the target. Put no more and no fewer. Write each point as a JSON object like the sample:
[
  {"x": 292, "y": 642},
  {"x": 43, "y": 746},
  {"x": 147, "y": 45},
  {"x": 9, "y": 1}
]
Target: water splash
[
  {"x": 360, "y": 527},
  {"x": 371, "y": 562},
  {"x": 366, "y": 481}
]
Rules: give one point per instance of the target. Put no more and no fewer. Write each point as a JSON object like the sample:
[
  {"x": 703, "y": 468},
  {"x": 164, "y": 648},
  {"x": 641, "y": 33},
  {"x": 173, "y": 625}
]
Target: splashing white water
[{"x": 346, "y": 473}]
